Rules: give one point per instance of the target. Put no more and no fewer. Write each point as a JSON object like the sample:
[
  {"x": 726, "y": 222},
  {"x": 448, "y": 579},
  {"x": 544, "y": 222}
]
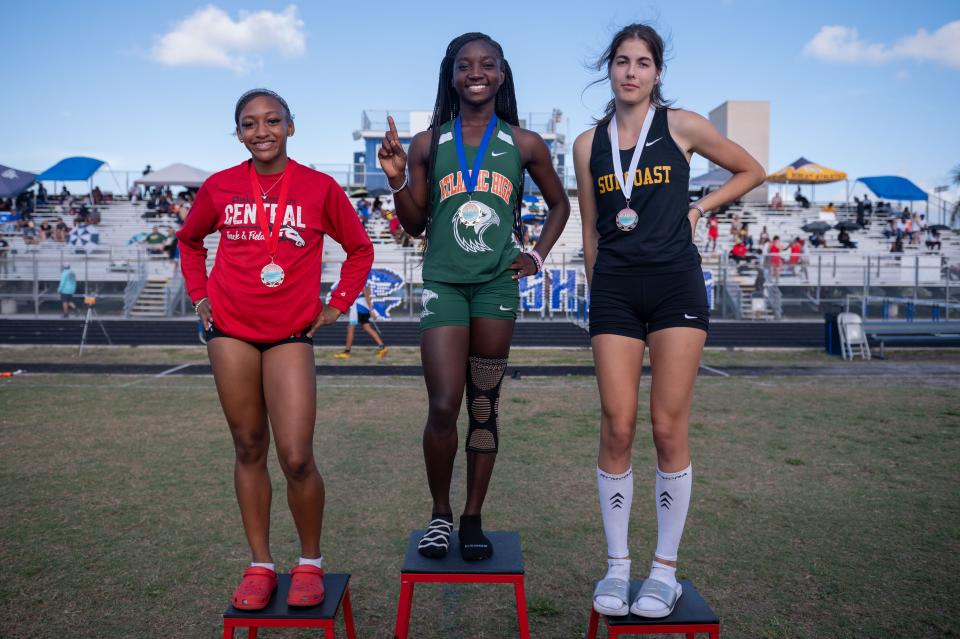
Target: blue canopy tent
[
  {"x": 894, "y": 187},
  {"x": 717, "y": 176},
  {"x": 75, "y": 169},
  {"x": 14, "y": 182}
]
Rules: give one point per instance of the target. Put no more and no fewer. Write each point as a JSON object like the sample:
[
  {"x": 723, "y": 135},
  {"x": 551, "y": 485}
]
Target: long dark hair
[
  {"x": 447, "y": 107},
  {"x": 650, "y": 37}
]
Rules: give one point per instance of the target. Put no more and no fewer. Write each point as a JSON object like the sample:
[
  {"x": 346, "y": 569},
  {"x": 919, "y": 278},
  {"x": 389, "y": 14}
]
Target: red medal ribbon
[{"x": 272, "y": 237}]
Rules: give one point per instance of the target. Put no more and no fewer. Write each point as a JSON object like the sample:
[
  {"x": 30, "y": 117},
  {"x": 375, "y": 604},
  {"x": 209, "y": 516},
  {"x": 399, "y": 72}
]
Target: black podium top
[
  {"x": 691, "y": 609},
  {"x": 506, "y": 560},
  {"x": 333, "y": 584}
]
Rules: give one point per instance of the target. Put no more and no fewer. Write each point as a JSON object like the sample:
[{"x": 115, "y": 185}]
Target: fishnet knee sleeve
[{"x": 483, "y": 403}]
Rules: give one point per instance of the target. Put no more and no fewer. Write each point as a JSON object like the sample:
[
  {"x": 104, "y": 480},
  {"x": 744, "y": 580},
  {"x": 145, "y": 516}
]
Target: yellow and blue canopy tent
[{"x": 803, "y": 171}]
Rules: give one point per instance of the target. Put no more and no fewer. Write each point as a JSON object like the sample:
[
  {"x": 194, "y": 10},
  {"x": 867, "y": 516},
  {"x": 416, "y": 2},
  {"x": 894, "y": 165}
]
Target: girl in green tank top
[
  {"x": 463, "y": 191},
  {"x": 478, "y": 241}
]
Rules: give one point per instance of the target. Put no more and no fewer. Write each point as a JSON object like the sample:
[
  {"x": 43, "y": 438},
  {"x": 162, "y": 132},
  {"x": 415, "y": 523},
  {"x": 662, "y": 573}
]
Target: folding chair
[{"x": 852, "y": 334}]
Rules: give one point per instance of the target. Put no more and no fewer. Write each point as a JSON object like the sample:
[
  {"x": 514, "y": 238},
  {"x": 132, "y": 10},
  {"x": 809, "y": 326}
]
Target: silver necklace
[{"x": 264, "y": 196}]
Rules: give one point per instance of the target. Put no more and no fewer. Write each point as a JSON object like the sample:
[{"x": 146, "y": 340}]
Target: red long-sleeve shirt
[{"x": 243, "y": 307}]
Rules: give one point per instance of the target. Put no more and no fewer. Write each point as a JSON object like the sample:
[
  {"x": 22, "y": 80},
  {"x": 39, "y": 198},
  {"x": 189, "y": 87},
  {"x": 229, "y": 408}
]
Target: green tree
[{"x": 955, "y": 217}]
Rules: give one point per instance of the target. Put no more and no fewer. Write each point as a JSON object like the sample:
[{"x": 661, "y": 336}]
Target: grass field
[{"x": 822, "y": 507}]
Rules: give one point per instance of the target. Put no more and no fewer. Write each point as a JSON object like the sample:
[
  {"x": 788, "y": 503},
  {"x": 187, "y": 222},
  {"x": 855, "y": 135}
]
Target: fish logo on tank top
[{"x": 470, "y": 222}]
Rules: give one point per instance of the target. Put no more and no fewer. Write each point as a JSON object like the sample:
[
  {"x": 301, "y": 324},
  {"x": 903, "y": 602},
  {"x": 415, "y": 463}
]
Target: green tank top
[{"x": 473, "y": 243}]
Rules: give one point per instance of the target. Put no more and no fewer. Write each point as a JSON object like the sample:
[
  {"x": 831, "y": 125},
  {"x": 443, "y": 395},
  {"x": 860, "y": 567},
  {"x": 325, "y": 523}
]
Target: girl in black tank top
[
  {"x": 660, "y": 242},
  {"x": 646, "y": 288}
]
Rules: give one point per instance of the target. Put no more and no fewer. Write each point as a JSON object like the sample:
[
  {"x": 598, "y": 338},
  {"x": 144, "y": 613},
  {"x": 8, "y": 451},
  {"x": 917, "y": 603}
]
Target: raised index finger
[{"x": 393, "y": 126}]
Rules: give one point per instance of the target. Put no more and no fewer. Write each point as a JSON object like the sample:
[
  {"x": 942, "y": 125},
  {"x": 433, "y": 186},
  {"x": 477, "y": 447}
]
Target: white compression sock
[
  {"x": 673, "y": 500},
  {"x": 616, "y": 497},
  {"x": 264, "y": 565},
  {"x": 318, "y": 562}
]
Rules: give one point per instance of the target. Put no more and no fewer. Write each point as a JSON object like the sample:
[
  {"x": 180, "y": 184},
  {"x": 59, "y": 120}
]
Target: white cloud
[
  {"x": 835, "y": 43},
  {"x": 211, "y": 38}
]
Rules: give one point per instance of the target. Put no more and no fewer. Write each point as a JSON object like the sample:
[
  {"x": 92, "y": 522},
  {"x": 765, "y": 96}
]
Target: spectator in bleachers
[
  {"x": 60, "y": 230},
  {"x": 394, "y": 225},
  {"x": 900, "y": 228},
  {"x": 845, "y": 242},
  {"x": 798, "y": 260},
  {"x": 818, "y": 240},
  {"x": 916, "y": 228},
  {"x": 867, "y": 204},
  {"x": 774, "y": 259},
  {"x": 777, "y": 202},
  {"x": 97, "y": 195},
  {"x": 30, "y": 233},
  {"x": 745, "y": 236},
  {"x": 64, "y": 192},
  {"x": 133, "y": 193},
  {"x": 829, "y": 208},
  {"x": 897, "y": 245},
  {"x": 45, "y": 231},
  {"x": 24, "y": 202},
  {"x": 735, "y": 226},
  {"x": 4, "y": 252},
  {"x": 861, "y": 209},
  {"x": 6, "y": 204},
  {"x": 800, "y": 199},
  {"x": 67, "y": 288},
  {"x": 739, "y": 252},
  {"x": 933, "y": 240},
  {"x": 764, "y": 237},
  {"x": 713, "y": 233},
  {"x": 363, "y": 210},
  {"x": 535, "y": 229},
  {"x": 891, "y": 230},
  {"x": 172, "y": 248},
  {"x": 41, "y": 195},
  {"x": 155, "y": 241}
]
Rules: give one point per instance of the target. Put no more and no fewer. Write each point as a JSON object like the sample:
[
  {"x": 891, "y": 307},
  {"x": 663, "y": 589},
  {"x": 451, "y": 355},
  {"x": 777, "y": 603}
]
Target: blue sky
[{"x": 866, "y": 90}]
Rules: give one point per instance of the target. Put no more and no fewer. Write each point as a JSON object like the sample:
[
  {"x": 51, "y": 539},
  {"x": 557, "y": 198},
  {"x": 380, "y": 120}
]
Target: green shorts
[{"x": 448, "y": 304}]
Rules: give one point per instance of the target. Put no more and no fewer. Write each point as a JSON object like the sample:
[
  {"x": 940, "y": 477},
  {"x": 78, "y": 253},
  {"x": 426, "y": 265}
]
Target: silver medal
[{"x": 272, "y": 275}]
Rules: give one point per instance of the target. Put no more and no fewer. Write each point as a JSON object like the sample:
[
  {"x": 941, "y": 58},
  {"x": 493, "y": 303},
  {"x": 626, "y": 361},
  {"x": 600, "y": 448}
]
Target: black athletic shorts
[
  {"x": 636, "y": 305},
  {"x": 297, "y": 338}
]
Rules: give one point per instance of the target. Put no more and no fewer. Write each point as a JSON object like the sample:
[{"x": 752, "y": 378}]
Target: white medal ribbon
[{"x": 635, "y": 160}]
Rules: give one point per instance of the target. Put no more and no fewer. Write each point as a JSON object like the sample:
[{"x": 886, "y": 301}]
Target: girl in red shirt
[
  {"x": 776, "y": 262},
  {"x": 260, "y": 306}
]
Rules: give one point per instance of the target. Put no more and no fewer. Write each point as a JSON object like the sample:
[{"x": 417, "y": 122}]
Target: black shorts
[
  {"x": 363, "y": 318},
  {"x": 297, "y": 338},
  {"x": 636, "y": 305}
]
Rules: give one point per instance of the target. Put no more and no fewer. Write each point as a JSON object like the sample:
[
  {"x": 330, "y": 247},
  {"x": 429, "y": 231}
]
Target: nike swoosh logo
[
  {"x": 498, "y": 154},
  {"x": 654, "y": 142},
  {"x": 685, "y": 316},
  {"x": 506, "y": 308}
]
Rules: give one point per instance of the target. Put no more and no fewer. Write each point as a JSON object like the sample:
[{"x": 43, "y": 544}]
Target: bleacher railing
[{"x": 806, "y": 289}]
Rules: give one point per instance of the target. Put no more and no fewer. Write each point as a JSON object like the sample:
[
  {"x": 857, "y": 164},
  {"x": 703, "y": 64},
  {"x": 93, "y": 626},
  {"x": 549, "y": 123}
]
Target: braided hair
[{"x": 447, "y": 107}]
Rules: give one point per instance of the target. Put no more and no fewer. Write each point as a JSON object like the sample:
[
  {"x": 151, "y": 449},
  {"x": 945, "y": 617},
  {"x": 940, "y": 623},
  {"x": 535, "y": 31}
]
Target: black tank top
[{"x": 660, "y": 239}]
